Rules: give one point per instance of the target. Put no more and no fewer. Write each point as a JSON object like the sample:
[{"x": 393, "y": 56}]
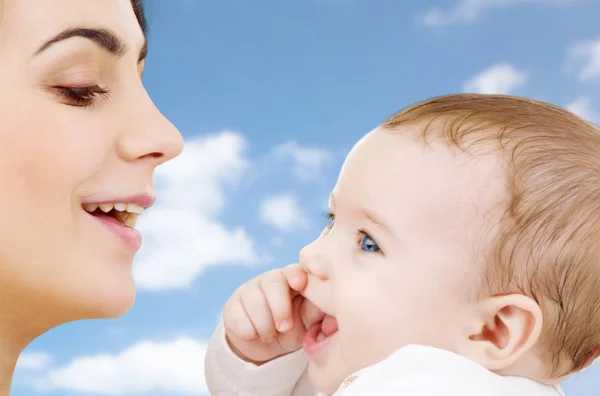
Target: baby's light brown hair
[{"x": 548, "y": 247}]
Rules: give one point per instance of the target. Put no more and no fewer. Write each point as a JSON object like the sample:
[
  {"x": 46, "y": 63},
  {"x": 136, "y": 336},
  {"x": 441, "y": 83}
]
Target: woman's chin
[
  {"x": 108, "y": 301},
  {"x": 117, "y": 304}
]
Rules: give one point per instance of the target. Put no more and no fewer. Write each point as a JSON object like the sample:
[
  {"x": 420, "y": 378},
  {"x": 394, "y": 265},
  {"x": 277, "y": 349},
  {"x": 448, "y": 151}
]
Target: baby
[{"x": 462, "y": 258}]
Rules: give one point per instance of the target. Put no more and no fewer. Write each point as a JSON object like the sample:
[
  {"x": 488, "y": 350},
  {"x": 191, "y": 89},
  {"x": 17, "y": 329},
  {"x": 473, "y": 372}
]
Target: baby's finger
[
  {"x": 278, "y": 294},
  {"x": 257, "y": 308},
  {"x": 296, "y": 277},
  {"x": 291, "y": 340},
  {"x": 310, "y": 314},
  {"x": 236, "y": 320}
]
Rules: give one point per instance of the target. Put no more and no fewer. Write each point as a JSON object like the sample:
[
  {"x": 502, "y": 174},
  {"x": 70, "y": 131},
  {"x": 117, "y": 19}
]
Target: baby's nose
[{"x": 315, "y": 262}]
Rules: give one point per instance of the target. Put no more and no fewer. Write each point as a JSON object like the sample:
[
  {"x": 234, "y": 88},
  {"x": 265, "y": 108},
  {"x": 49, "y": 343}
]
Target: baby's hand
[{"x": 262, "y": 318}]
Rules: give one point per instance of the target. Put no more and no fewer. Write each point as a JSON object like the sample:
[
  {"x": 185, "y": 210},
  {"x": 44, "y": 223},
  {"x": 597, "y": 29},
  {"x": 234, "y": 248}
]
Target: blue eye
[{"x": 367, "y": 244}]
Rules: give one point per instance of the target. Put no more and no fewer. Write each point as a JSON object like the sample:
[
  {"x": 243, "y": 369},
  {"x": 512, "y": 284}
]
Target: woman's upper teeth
[{"x": 119, "y": 206}]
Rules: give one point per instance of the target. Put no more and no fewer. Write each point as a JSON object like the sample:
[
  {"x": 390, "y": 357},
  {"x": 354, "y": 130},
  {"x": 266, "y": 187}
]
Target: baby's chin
[{"x": 326, "y": 380}]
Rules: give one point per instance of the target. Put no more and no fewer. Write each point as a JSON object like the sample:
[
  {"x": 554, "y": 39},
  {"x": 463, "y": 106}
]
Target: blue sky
[{"x": 270, "y": 96}]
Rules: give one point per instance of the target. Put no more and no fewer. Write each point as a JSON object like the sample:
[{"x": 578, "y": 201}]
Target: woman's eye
[
  {"x": 82, "y": 96},
  {"x": 367, "y": 243}
]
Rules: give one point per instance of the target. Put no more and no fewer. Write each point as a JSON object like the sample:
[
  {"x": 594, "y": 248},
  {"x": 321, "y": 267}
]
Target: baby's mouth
[{"x": 317, "y": 336}]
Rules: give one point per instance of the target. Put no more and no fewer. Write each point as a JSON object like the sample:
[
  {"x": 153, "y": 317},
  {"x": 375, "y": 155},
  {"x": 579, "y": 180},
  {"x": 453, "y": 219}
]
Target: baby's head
[{"x": 469, "y": 223}]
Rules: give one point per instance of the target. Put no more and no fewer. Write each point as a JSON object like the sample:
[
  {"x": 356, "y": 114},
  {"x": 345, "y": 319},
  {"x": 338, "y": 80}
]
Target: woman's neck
[
  {"x": 10, "y": 349},
  {"x": 7, "y": 368},
  {"x": 20, "y": 323}
]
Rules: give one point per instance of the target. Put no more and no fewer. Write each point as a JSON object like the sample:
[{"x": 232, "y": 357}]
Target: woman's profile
[{"x": 79, "y": 141}]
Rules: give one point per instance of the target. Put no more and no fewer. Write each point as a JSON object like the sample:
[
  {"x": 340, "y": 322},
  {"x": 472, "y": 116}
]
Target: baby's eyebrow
[{"x": 375, "y": 220}]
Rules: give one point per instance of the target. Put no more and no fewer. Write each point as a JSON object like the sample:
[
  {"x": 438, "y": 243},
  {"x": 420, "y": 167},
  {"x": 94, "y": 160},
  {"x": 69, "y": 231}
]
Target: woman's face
[{"x": 77, "y": 129}]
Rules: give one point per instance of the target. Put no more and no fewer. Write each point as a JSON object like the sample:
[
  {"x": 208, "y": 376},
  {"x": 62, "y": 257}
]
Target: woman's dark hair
[{"x": 138, "y": 8}]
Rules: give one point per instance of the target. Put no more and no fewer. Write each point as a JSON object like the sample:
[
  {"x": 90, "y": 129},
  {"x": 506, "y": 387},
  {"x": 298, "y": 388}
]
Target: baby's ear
[{"x": 506, "y": 328}]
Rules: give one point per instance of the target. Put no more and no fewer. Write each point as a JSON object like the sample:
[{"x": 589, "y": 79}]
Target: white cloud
[
  {"x": 501, "y": 78},
  {"x": 308, "y": 161},
  {"x": 587, "y": 55},
  {"x": 182, "y": 233},
  {"x": 281, "y": 212},
  {"x": 172, "y": 367},
  {"x": 33, "y": 361},
  {"x": 470, "y": 10},
  {"x": 582, "y": 106}
]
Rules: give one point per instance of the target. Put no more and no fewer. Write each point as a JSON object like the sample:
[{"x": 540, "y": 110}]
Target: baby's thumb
[{"x": 310, "y": 314}]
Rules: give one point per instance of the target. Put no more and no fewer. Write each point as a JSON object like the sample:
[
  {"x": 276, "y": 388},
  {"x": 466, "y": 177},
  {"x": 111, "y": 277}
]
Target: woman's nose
[{"x": 149, "y": 135}]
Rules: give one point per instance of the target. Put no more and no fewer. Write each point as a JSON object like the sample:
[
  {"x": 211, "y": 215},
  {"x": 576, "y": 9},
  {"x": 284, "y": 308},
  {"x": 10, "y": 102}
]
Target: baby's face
[{"x": 397, "y": 265}]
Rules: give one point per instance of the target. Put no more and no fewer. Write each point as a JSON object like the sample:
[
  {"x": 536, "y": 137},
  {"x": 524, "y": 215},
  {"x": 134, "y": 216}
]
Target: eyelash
[
  {"x": 82, "y": 96},
  {"x": 360, "y": 233},
  {"x": 330, "y": 217}
]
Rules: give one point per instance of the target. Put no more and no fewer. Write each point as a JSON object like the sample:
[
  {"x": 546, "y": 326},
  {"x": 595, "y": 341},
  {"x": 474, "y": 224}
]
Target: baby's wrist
[{"x": 241, "y": 355}]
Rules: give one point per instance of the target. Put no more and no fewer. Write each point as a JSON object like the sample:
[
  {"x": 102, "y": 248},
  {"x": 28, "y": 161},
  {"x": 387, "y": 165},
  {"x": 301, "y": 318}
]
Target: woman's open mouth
[
  {"x": 124, "y": 213},
  {"x": 120, "y": 218}
]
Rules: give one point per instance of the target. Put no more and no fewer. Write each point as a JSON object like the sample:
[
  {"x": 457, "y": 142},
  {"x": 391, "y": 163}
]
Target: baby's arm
[{"x": 228, "y": 375}]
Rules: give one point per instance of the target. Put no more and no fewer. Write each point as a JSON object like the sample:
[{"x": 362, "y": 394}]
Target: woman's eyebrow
[{"x": 104, "y": 38}]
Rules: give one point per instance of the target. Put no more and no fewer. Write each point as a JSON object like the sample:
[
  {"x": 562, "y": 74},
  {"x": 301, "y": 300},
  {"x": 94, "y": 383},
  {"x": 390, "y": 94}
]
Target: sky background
[{"x": 270, "y": 96}]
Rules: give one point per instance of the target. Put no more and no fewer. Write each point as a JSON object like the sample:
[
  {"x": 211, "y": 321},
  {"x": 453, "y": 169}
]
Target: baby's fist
[{"x": 262, "y": 317}]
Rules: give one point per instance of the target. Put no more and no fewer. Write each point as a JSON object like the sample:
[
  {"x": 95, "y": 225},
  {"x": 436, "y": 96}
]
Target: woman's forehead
[
  {"x": 67, "y": 9},
  {"x": 26, "y": 24}
]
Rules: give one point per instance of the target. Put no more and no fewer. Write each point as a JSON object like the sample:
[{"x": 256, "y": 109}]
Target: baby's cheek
[{"x": 364, "y": 342}]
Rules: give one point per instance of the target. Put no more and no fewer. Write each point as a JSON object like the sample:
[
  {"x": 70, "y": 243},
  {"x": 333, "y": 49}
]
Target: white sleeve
[{"x": 228, "y": 375}]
